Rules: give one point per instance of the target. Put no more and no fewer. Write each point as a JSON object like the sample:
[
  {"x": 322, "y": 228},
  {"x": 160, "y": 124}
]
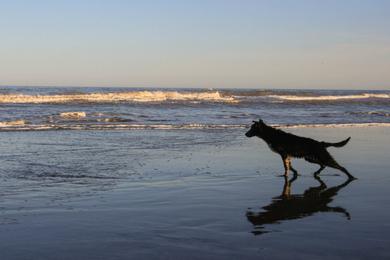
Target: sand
[{"x": 212, "y": 200}]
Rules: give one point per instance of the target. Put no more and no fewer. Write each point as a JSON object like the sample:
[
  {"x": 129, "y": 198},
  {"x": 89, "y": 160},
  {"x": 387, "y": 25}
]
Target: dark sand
[{"x": 203, "y": 201}]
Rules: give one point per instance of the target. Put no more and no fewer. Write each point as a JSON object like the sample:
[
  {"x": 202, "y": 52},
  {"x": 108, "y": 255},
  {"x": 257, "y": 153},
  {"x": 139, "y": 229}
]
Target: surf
[
  {"x": 330, "y": 97},
  {"x": 113, "y": 97}
]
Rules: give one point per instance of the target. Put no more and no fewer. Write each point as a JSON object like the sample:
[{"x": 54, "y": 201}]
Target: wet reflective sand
[{"x": 189, "y": 194}]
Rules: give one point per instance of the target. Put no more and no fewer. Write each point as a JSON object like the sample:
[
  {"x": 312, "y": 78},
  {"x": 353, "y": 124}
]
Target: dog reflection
[{"x": 294, "y": 206}]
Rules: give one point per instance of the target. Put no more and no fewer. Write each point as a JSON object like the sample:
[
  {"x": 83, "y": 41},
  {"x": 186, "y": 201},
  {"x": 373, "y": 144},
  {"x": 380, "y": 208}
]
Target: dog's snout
[{"x": 249, "y": 134}]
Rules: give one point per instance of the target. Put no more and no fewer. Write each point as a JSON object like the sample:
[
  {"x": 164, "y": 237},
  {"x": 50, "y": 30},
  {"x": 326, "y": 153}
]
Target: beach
[
  {"x": 157, "y": 130},
  {"x": 190, "y": 193}
]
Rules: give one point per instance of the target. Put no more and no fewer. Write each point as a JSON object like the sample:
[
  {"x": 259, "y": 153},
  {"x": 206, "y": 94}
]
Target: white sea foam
[
  {"x": 132, "y": 96},
  {"x": 73, "y": 115},
  {"x": 39, "y": 127},
  {"x": 330, "y": 97},
  {"x": 42, "y": 127},
  {"x": 336, "y": 125},
  {"x": 12, "y": 123}
]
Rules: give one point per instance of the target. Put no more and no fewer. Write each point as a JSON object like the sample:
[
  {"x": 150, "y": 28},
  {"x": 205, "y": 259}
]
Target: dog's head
[{"x": 256, "y": 129}]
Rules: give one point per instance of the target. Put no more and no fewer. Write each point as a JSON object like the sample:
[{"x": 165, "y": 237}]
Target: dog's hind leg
[
  {"x": 337, "y": 166},
  {"x": 313, "y": 159},
  {"x": 345, "y": 171}
]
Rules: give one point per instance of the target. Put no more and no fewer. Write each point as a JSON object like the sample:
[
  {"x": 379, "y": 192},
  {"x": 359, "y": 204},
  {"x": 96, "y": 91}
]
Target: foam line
[
  {"x": 330, "y": 98},
  {"x": 26, "y": 127},
  {"x": 132, "y": 96}
]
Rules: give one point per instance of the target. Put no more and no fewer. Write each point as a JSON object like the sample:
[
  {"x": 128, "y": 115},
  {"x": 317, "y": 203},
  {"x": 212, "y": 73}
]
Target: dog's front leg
[{"x": 286, "y": 164}]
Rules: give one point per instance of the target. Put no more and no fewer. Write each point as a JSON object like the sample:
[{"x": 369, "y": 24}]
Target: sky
[{"x": 329, "y": 44}]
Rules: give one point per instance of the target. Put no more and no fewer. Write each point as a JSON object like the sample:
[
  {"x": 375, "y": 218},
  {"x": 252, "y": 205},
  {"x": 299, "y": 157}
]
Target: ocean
[{"x": 32, "y": 109}]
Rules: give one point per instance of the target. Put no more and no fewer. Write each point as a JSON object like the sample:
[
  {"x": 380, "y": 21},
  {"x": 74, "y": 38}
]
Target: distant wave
[
  {"x": 330, "y": 97},
  {"x": 132, "y": 96},
  {"x": 178, "y": 96},
  {"x": 73, "y": 115},
  {"x": 5, "y": 126},
  {"x": 40, "y": 127},
  {"x": 13, "y": 123}
]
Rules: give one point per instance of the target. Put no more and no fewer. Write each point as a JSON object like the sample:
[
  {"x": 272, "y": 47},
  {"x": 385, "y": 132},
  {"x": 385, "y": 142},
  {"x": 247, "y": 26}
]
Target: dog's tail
[{"x": 339, "y": 144}]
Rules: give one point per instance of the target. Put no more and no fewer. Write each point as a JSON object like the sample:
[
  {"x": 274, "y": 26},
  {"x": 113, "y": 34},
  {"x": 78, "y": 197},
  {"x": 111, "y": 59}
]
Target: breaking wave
[
  {"x": 42, "y": 127},
  {"x": 14, "y": 123},
  {"x": 73, "y": 115},
  {"x": 131, "y": 96},
  {"x": 330, "y": 97}
]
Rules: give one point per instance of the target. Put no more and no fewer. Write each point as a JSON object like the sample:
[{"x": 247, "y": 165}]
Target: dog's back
[{"x": 290, "y": 144}]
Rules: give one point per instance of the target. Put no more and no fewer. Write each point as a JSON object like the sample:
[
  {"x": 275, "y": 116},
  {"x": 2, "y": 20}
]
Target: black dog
[{"x": 289, "y": 145}]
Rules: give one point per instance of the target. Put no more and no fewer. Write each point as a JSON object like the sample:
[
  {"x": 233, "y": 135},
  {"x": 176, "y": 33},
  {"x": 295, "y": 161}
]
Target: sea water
[{"x": 124, "y": 108}]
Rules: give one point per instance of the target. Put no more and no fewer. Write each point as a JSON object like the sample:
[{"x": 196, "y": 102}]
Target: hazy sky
[{"x": 199, "y": 43}]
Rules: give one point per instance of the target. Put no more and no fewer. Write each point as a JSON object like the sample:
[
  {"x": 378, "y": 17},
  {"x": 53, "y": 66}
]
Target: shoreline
[{"x": 21, "y": 126}]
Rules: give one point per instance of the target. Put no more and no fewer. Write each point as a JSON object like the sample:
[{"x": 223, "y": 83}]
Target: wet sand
[{"x": 211, "y": 200}]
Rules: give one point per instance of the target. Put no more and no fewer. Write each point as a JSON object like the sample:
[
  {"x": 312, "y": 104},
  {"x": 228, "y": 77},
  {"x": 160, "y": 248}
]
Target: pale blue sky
[{"x": 199, "y": 43}]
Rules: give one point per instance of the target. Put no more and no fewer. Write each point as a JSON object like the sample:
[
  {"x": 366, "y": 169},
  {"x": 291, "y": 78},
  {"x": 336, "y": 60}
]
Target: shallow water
[{"x": 189, "y": 193}]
